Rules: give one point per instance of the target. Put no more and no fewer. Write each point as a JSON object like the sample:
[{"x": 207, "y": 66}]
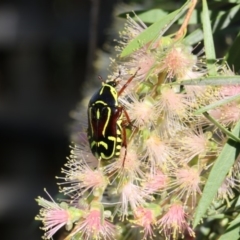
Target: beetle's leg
[
  {"x": 99, "y": 162},
  {"x": 126, "y": 84},
  {"x": 124, "y": 144},
  {"x": 126, "y": 122},
  {"x": 127, "y": 117},
  {"x": 124, "y": 134}
]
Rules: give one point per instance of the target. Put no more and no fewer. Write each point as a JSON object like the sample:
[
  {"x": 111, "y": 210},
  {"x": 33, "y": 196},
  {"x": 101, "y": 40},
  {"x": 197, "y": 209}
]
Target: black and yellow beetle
[{"x": 106, "y": 133}]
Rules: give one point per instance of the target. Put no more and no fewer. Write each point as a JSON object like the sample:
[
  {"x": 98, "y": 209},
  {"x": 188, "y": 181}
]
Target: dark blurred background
[{"x": 44, "y": 61}]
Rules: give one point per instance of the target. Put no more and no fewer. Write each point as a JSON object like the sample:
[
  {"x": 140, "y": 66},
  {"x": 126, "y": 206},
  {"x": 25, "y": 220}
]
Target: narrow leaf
[
  {"x": 218, "y": 173},
  {"x": 152, "y": 15},
  {"x": 194, "y": 19},
  {"x": 194, "y": 37},
  {"x": 225, "y": 18},
  {"x": 217, "y": 124},
  {"x": 217, "y": 104},
  {"x": 233, "y": 55},
  {"x": 208, "y": 40},
  {"x": 155, "y": 31},
  {"x": 216, "y": 80},
  {"x": 232, "y": 232}
]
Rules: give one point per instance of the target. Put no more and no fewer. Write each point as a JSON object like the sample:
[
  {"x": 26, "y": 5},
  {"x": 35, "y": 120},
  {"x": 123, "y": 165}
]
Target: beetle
[{"x": 106, "y": 133}]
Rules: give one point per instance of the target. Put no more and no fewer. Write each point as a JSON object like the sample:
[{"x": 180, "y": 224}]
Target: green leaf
[
  {"x": 233, "y": 55},
  {"x": 208, "y": 40},
  {"x": 152, "y": 15},
  {"x": 218, "y": 173},
  {"x": 194, "y": 19},
  {"x": 226, "y": 18},
  {"x": 194, "y": 37},
  {"x": 217, "y": 104},
  {"x": 217, "y": 124},
  {"x": 214, "y": 81},
  {"x": 232, "y": 232},
  {"x": 155, "y": 31}
]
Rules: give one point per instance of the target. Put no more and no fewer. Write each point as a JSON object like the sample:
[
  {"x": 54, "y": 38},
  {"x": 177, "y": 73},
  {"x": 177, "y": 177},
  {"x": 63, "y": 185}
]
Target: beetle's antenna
[
  {"x": 100, "y": 78},
  {"x": 128, "y": 81},
  {"x": 118, "y": 76}
]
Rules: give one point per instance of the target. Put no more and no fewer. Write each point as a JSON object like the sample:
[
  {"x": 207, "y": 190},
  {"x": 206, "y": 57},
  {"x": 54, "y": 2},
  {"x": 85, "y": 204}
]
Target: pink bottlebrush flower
[
  {"x": 194, "y": 92},
  {"x": 229, "y": 90},
  {"x": 141, "y": 59},
  {"x": 175, "y": 222},
  {"x": 192, "y": 74},
  {"x": 177, "y": 61},
  {"x": 80, "y": 178},
  {"x": 195, "y": 143},
  {"x": 94, "y": 226},
  {"x": 231, "y": 182},
  {"x": 225, "y": 192},
  {"x": 132, "y": 195},
  {"x": 236, "y": 167},
  {"x": 226, "y": 114},
  {"x": 145, "y": 61},
  {"x": 127, "y": 165},
  {"x": 132, "y": 29},
  {"x": 53, "y": 217},
  {"x": 143, "y": 112},
  {"x": 160, "y": 154},
  {"x": 81, "y": 153},
  {"x": 187, "y": 184},
  {"x": 155, "y": 182},
  {"x": 145, "y": 218},
  {"x": 173, "y": 107}
]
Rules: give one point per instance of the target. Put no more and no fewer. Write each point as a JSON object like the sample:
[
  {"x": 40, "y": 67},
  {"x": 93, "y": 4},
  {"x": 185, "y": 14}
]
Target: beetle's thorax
[{"x": 107, "y": 94}]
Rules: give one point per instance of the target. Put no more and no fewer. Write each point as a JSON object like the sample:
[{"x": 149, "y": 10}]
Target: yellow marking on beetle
[
  {"x": 106, "y": 157},
  {"x": 92, "y": 144},
  {"x": 119, "y": 139},
  {"x": 106, "y": 147},
  {"x": 119, "y": 121},
  {"x": 112, "y": 138},
  {"x": 90, "y": 117},
  {"x": 118, "y": 147},
  {"x": 107, "y": 121},
  {"x": 115, "y": 95},
  {"x": 112, "y": 90},
  {"x": 105, "y": 85},
  {"x": 101, "y": 102},
  {"x": 98, "y": 114},
  {"x": 118, "y": 132},
  {"x": 103, "y": 144}
]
